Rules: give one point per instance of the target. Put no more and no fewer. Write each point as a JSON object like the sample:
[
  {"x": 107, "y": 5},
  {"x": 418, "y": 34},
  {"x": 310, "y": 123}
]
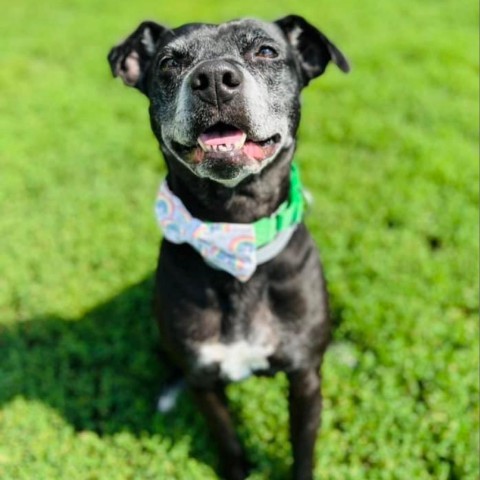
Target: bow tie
[
  {"x": 232, "y": 247},
  {"x": 227, "y": 246}
]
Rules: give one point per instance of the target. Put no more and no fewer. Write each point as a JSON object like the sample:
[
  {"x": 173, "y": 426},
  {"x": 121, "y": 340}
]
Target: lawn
[{"x": 392, "y": 161}]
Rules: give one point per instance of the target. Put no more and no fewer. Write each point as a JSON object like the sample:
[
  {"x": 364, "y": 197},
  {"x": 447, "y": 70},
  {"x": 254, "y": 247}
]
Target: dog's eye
[
  {"x": 266, "y": 52},
  {"x": 167, "y": 63}
]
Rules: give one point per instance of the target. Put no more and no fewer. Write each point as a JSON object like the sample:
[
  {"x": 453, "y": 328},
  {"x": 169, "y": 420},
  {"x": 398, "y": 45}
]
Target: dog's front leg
[
  {"x": 213, "y": 405},
  {"x": 305, "y": 405}
]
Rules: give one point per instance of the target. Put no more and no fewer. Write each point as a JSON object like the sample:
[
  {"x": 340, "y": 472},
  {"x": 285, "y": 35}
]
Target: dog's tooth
[
  {"x": 203, "y": 146},
  {"x": 223, "y": 147},
  {"x": 241, "y": 142}
]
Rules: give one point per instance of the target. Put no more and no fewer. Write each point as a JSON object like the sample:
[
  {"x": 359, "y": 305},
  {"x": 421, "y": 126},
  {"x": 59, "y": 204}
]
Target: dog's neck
[{"x": 255, "y": 197}]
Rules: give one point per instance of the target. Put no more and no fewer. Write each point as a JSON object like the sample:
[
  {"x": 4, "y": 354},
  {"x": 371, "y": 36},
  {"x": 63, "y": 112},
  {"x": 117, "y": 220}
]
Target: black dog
[{"x": 224, "y": 106}]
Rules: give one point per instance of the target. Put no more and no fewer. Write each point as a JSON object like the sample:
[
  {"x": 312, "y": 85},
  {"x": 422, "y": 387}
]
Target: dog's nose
[{"x": 216, "y": 81}]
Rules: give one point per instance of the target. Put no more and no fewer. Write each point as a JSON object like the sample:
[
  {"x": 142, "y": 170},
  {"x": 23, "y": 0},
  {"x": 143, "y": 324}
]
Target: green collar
[{"x": 288, "y": 214}]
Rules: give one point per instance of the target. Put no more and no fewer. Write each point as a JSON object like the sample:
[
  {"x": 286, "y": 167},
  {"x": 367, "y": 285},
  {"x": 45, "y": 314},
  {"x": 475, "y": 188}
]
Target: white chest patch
[{"x": 236, "y": 360}]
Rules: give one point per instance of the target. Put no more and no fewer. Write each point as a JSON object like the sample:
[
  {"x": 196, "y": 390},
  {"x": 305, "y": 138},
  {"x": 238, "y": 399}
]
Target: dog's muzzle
[{"x": 224, "y": 144}]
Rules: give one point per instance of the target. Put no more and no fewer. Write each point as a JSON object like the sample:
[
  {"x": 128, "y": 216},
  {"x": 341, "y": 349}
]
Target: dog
[{"x": 225, "y": 108}]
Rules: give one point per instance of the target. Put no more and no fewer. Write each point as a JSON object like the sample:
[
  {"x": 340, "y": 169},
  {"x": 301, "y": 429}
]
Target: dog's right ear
[{"x": 131, "y": 59}]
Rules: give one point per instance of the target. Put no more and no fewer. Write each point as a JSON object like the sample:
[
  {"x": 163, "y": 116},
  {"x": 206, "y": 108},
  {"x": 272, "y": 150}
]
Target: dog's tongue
[
  {"x": 230, "y": 137},
  {"x": 233, "y": 142},
  {"x": 254, "y": 151}
]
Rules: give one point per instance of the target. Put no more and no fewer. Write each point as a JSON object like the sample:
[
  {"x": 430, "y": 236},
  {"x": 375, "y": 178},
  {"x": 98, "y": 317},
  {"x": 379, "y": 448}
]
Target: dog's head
[{"x": 224, "y": 99}]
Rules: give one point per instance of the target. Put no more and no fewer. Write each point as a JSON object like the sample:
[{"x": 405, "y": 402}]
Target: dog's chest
[
  {"x": 236, "y": 361},
  {"x": 243, "y": 356}
]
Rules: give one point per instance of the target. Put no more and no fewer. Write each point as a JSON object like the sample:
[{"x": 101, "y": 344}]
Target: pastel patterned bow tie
[
  {"x": 236, "y": 248},
  {"x": 228, "y": 246}
]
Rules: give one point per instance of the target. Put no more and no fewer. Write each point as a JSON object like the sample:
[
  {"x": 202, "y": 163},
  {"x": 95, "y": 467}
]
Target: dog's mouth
[{"x": 229, "y": 143}]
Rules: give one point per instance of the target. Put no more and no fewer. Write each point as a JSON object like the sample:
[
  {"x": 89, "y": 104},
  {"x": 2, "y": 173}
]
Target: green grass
[{"x": 390, "y": 154}]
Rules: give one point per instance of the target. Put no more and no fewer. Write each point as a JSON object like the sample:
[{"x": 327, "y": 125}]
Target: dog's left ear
[
  {"x": 131, "y": 58},
  {"x": 312, "y": 48}
]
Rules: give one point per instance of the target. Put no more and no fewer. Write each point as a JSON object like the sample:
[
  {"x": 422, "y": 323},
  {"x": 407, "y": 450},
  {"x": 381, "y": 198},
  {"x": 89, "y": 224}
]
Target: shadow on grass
[{"x": 103, "y": 372}]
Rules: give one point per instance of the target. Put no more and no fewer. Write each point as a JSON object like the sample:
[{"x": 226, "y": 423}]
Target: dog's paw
[{"x": 236, "y": 471}]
